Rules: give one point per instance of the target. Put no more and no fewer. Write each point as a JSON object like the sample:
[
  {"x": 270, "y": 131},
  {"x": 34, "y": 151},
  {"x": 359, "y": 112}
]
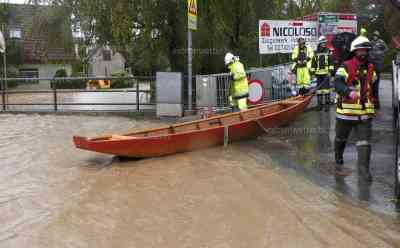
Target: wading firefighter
[
  {"x": 322, "y": 67},
  {"x": 355, "y": 105},
  {"x": 239, "y": 88},
  {"x": 302, "y": 56}
]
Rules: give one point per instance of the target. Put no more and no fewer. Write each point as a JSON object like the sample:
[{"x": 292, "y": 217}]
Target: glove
[
  {"x": 301, "y": 63},
  {"x": 354, "y": 95}
]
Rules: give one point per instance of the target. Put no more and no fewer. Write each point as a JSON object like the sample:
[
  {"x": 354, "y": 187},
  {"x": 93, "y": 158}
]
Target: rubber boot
[
  {"x": 319, "y": 101},
  {"x": 364, "y": 157},
  {"x": 327, "y": 102},
  {"x": 339, "y": 150}
]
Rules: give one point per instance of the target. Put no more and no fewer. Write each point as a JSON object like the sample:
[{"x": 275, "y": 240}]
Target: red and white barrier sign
[{"x": 256, "y": 92}]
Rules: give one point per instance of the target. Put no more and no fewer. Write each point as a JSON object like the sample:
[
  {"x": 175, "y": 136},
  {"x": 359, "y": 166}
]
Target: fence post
[
  {"x": 55, "y": 95},
  {"x": 137, "y": 96}
]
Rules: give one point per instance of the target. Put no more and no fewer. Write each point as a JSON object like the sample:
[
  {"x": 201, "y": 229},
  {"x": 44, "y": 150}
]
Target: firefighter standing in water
[
  {"x": 355, "y": 105},
  {"x": 239, "y": 88},
  {"x": 302, "y": 56},
  {"x": 322, "y": 67}
]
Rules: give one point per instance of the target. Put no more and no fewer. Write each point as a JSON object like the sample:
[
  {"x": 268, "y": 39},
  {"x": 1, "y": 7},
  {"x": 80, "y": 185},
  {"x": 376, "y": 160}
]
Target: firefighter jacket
[
  {"x": 302, "y": 57},
  {"x": 352, "y": 75},
  {"x": 240, "y": 86},
  {"x": 322, "y": 63}
]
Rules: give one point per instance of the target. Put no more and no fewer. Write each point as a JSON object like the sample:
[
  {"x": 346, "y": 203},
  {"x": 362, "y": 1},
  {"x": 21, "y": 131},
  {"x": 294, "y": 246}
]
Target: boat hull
[{"x": 161, "y": 145}]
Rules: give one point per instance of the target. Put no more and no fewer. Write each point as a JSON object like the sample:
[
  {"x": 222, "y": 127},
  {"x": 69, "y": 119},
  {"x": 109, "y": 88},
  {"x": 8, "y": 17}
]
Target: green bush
[
  {"x": 67, "y": 84},
  {"x": 12, "y": 74},
  {"x": 121, "y": 83}
]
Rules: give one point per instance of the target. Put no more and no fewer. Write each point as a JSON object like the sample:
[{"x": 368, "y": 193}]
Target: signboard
[
  {"x": 330, "y": 24},
  {"x": 281, "y": 36},
  {"x": 328, "y": 19},
  {"x": 192, "y": 14}
]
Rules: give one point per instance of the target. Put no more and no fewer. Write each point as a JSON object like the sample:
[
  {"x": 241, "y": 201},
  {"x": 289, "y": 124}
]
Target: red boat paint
[{"x": 199, "y": 134}]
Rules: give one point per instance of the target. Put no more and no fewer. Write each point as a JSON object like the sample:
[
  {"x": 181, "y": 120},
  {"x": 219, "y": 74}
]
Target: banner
[
  {"x": 281, "y": 36},
  {"x": 192, "y": 14}
]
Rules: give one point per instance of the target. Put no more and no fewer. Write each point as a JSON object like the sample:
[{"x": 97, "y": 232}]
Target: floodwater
[{"x": 52, "y": 195}]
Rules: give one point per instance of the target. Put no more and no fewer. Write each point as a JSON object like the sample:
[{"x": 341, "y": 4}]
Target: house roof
[{"x": 35, "y": 48}]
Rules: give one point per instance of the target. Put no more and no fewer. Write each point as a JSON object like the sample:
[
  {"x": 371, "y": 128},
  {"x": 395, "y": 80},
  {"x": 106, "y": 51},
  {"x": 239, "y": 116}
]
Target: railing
[
  {"x": 77, "y": 94},
  {"x": 277, "y": 81}
]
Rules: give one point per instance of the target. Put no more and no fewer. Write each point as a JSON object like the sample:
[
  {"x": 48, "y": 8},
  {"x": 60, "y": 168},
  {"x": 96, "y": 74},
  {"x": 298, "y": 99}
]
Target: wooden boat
[{"x": 190, "y": 136}]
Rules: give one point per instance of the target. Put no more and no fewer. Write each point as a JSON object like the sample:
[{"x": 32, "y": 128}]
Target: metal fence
[
  {"x": 213, "y": 90},
  {"x": 129, "y": 93},
  {"x": 78, "y": 94}
]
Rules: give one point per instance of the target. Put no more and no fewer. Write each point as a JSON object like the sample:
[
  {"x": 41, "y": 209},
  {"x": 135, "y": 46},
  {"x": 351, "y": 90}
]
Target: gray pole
[
  {"x": 5, "y": 69},
  {"x": 190, "y": 70}
]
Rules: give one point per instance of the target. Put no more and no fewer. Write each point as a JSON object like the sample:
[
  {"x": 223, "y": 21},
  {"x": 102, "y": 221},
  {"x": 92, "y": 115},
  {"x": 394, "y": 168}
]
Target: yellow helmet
[{"x": 363, "y": 31}]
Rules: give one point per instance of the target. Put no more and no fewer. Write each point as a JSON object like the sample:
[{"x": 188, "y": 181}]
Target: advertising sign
[
  {"x": 192, "y": 14},
  {"x": 330, "y": 24},
  {"x": 281, "y": 36}
]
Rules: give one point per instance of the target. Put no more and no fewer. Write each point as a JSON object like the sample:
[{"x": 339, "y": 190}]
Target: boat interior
[{"x": 253, "y": 113}]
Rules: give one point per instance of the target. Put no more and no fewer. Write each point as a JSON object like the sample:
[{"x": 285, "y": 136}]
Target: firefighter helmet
[
  {"x": 363, "y": 32},
  {"x": 301, "y": 40},
  {"x": 360, "y": 42},
  {"x": 229, "y": 58},
  {"x": 322, "y": 39}
]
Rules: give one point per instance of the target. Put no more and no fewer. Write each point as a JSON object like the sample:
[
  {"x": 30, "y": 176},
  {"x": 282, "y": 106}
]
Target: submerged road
[{"x": 259, "y": 193}]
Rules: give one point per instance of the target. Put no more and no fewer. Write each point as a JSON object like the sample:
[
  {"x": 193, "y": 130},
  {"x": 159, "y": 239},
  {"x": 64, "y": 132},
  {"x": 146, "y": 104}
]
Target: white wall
[{"x": 98, "y": 67}]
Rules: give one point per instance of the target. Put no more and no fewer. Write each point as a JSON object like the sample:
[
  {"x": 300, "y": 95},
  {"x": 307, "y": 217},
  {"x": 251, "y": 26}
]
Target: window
[
  {"x": 106, "y": 55},
  {"x": 29, "y": 73},
  {"x": 15, "y": 33}
]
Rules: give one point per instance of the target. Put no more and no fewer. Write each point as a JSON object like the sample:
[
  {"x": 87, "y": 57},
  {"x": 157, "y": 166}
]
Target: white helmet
[
  {"x": 360, "y": 42},
  {"x": 322, "y": 39},
  {"x": 229, "y": 58}
]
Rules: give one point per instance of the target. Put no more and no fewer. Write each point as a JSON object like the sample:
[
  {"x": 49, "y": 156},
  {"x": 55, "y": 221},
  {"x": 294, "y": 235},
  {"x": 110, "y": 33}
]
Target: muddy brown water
[{"x": 52, "y": 195}]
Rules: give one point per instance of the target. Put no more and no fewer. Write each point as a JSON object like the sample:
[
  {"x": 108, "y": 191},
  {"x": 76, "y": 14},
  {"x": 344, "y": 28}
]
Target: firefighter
[
  {"x": 322, "y": 67},
  {"x": 355, "y": 105},
  {"x": 301, "y": 57},
  {"x": 239, "y": 88},
  {"x": 363, "y": 32}
]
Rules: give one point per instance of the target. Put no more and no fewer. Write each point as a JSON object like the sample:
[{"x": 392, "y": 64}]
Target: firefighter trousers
[{"x": 363, "y": 133}]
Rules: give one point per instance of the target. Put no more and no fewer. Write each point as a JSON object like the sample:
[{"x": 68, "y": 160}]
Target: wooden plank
[
  {"x": 120, "y": 137},
  {"x": 291, "y": 102},
  {"x": 186, "y": 128}
]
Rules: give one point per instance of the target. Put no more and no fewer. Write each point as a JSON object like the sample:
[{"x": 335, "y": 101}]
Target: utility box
[
  {"x": 206, "y": 91},
  {"x": 169, "y": 94}
]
